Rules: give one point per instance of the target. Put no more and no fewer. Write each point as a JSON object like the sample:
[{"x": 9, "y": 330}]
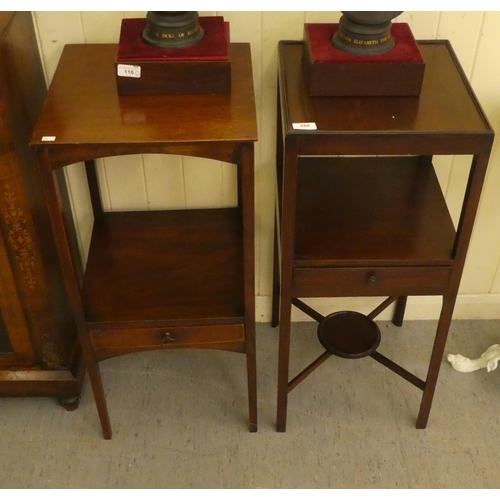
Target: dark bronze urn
[
  {"x": 172, "y": 30},
  {"x": 365, "y": 33}
]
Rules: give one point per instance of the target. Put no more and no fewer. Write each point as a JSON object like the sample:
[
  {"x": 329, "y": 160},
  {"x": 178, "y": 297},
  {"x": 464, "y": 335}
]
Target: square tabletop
[
  {"x": 83, "y": 107},
  {"x": 447, "y": 106}
]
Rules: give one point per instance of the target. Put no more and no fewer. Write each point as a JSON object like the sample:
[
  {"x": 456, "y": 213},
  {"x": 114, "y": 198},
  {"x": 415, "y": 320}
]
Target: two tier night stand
[
  {"x": 154, "y": 279},
  {"x": 361, "y": 212}
]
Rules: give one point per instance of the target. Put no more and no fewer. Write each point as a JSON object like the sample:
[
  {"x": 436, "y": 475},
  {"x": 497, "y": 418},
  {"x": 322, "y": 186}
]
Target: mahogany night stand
[
  {"x": 361, "y": 212},
  {"x": 154, "y": 279}
]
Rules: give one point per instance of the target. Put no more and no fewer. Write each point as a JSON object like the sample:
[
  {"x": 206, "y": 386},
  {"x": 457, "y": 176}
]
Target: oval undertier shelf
[{"x": 349, "y": 334}]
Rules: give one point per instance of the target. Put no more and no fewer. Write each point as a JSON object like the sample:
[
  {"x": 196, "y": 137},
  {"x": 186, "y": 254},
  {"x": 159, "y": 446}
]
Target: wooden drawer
[
  {"x": 376, "y": 281},
  {"x": 109, "y": 343}
]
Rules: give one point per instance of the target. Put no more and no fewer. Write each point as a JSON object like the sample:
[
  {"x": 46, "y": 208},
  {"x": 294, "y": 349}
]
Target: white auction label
[
  {"x": 304, "y": 126},
  {"x": 48, "y": 138},
  {"x": 129, "y": 70}
]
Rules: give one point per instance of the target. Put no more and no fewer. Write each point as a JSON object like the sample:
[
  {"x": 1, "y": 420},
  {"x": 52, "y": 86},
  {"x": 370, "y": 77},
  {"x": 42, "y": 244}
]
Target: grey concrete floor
[{"x": 180, "y": 421}]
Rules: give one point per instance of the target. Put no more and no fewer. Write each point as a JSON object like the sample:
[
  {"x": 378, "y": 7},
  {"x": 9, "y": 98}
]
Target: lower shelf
[
  {"x": 371, "y": 211},
  {"x": 165, "y": 268}
]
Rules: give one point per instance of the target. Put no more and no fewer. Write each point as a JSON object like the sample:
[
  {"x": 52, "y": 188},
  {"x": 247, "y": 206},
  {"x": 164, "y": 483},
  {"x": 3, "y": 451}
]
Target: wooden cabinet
[{"x": 38, "y": 350}]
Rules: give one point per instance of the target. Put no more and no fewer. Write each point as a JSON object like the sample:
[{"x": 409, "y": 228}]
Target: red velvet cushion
[
  {"x": 406, "y": 49},
  {"x": 213, "y": 47}
]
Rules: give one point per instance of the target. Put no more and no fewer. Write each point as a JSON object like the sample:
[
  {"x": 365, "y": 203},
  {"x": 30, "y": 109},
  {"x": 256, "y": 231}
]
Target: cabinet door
[{"x": 15, "y": 343}]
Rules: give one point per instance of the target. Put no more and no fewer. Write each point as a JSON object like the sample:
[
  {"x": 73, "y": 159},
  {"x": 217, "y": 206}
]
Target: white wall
[{"x": 153, "y": 182}]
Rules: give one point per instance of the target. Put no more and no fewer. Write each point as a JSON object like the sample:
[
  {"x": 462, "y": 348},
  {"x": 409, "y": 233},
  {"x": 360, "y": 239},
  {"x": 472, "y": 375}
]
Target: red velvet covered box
[
  {"x": 332, "y": 72},
  {"x": 204, "y": 68}
]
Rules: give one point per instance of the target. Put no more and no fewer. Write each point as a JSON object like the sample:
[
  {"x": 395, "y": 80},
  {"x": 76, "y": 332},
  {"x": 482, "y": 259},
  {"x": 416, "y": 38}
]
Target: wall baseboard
[{"x": 481, "y": 306}]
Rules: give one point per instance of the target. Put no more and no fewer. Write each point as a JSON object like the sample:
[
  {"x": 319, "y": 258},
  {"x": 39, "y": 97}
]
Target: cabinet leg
[
  {"x": 100, "y": 399},
  {"x": 435, "y": 361},
  {"x": 275, "y": 318},
  {"x": 399, "y": 311},
  {"x": 283, "y": 366},
  {"x": 70, "y": 404},
  {"x": 252, "y": 380}
]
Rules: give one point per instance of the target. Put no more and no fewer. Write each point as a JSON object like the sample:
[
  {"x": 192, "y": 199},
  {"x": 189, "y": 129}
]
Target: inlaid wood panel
[{"x": 38, "y": 354}]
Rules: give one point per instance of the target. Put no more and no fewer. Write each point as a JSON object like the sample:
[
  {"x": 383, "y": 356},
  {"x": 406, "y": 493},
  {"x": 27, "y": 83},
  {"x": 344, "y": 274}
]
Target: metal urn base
[{"x": 172, "y": 30}]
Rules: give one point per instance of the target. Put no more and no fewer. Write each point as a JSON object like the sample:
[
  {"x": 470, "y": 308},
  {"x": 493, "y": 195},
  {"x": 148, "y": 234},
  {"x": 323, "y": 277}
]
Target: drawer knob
[
  {"x": 167, "y": 338},
  {"x": 372, "y": 279}
]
